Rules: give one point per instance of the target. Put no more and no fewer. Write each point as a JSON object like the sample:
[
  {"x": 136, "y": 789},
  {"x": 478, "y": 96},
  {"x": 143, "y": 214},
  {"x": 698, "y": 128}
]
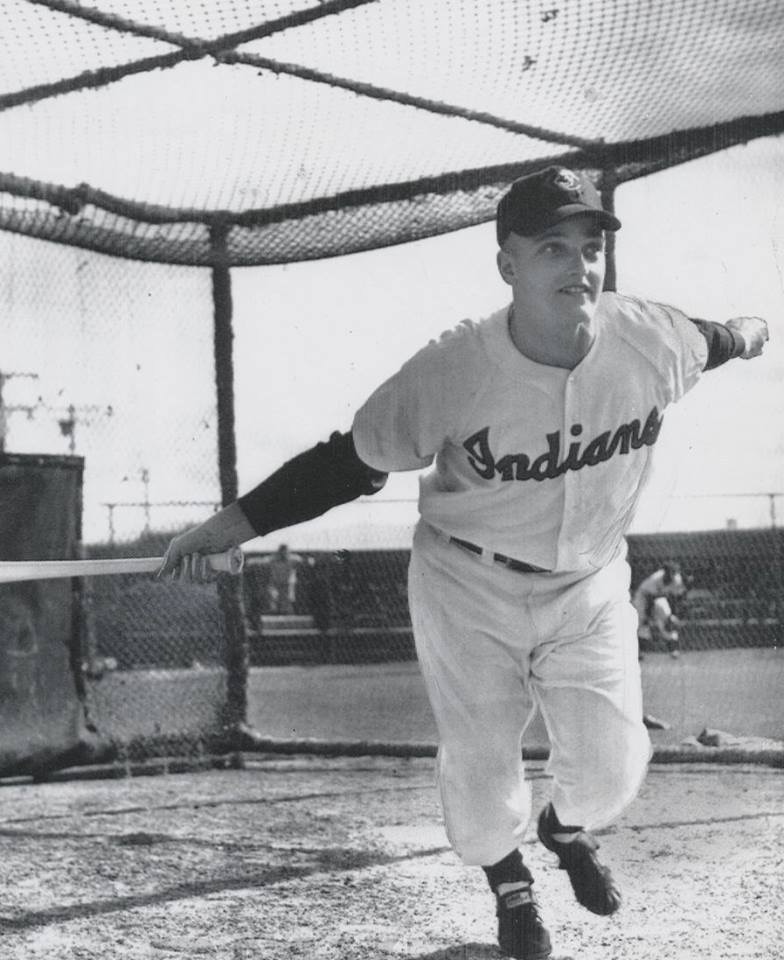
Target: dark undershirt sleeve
[
  {"x": 723, "y": 344},
  {"x": 310, "y": 484}
]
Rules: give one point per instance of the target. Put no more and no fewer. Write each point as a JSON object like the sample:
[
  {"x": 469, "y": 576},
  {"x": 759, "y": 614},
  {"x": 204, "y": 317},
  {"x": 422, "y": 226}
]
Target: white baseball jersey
[
  {"x": 654, "y": 586},
  {"x": 539, "y": 463}
]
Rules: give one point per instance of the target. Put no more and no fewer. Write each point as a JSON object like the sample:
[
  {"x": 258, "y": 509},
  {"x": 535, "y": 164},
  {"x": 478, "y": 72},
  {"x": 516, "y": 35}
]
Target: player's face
[{"x": 557, "y": 276}]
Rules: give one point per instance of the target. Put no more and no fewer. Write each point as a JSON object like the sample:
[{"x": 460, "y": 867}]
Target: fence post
[
  {"x": 229, "y": 588},
  {"x": 607, "y": 185}
]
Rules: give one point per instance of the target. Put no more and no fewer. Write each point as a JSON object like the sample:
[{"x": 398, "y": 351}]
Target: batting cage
[{"x": 169, "y": 175}]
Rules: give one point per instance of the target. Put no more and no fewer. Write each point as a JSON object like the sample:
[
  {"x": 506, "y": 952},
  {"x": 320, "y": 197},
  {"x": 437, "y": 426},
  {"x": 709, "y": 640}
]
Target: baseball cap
[{"x": 540, "y": 200}]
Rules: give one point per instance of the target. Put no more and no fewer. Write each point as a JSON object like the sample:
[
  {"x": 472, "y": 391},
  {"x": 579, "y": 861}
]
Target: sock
[{"x": 509, "y": 870}]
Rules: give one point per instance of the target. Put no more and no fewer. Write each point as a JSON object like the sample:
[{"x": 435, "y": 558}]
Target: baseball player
[
  {"x": 652, "y": 601},
  {"x": 282, "y": 585},
  {"x": 537, "y": 424}
]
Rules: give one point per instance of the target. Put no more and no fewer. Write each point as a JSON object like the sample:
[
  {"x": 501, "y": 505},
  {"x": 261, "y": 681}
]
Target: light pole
[{"x": 5, "y": 408}]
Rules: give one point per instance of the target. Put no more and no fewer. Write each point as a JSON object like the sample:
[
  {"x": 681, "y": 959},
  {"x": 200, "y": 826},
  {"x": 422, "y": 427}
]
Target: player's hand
[
  {"x": 754, "y": 331},
  {"x": 186, "y": 556}
]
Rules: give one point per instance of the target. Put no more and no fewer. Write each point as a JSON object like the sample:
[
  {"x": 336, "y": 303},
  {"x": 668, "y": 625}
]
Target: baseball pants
[
  {"x": 653, "y": 611},
  {"x": 491, "y": 642}
]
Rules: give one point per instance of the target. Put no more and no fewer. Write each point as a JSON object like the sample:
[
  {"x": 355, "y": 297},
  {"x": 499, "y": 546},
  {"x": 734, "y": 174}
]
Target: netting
[
  {"x": 351, "y": 606},
  {"x": 308, "y": 130},
  {"x": 343, "y": 607},
  {"x": 734, "y": 580},
  {"x": 342, "y": 666},
  {"x": 229, "y": 134},
  {"x": 103, "y": 358}
]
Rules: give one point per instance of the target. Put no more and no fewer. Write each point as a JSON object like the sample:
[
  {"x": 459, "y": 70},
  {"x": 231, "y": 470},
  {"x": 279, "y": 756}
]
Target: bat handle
[{"x": 230, "y": 561}]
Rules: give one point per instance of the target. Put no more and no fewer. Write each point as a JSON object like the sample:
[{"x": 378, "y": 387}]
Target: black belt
[{"x": 509, "y": 562}]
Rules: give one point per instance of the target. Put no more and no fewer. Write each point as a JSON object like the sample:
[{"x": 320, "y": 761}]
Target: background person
[
  {"x": 282, "y": 582},
  {"x": 653, "y": 600}
]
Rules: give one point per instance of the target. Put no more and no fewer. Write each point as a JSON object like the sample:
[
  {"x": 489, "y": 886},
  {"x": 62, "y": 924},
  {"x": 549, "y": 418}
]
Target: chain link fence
[
  {"x": 350, "y": 606},
  {"x": 102, "y": 359},
  {"x": 339, "y": 665}
]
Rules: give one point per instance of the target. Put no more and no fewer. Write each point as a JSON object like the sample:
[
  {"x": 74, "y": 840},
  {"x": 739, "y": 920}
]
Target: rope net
[
  {"x": 102, "y": 361},
  {"x": 142, "y": 139},
  {"x": 317, "y": 129}
]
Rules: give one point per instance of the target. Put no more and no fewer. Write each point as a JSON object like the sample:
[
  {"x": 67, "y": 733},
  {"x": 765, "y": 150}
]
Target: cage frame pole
[
  {"x": 230, "y": 595},
  {"x": 607, "y": 185}
]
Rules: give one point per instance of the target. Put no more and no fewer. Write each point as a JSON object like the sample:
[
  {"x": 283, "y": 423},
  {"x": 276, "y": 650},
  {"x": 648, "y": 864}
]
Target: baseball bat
[{"x": 12, "y": 571}]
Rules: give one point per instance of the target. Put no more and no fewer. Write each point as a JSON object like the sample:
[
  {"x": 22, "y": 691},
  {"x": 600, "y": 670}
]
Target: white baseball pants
[
  {"x": 656, "y": 613},
  {"x": 485, "y": 637}
]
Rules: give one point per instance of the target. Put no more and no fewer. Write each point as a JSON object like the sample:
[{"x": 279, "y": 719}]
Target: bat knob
[{"x": 236, "y": 560}]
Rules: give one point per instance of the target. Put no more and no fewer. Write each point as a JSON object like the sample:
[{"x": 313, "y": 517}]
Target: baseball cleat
[
  {"x": 521, "y": 933},
  {"x": 591, "y": 881},
  {"x": 654, "y": 723}
]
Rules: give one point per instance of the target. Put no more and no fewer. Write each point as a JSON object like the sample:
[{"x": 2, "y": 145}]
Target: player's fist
[
  {"x": 754, "y": 331},
  {"x": 186, "y": 555},
  {"x": 180, "y": 564}
]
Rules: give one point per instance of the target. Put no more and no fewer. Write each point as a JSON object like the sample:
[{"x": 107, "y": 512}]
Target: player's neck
[{"x": 561, "y": 347}]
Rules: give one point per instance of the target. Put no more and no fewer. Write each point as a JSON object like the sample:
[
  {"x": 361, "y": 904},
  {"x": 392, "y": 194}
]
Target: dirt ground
[{"x": 343, "y": 859}]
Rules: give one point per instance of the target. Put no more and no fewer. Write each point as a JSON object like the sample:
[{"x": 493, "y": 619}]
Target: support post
[
  {"x": 229, "y": 588},
  {"x": 607, "y": 187}
]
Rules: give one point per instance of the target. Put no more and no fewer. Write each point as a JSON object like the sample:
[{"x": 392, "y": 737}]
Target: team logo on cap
[{"x": 567, "y": 180}]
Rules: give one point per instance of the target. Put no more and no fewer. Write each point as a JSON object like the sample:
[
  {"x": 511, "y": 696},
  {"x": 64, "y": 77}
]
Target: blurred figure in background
[
  {"x": 653, "y": 600},
  {"x": 282, "y": 584}
]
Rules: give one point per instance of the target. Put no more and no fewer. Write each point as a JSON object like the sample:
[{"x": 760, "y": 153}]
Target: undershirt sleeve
[
  {"x": 310, "y": 484},
  {"x": 723, "y": 344}
]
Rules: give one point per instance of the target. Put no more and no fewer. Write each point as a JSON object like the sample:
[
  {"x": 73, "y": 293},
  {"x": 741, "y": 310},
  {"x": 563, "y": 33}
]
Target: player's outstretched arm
[
  {"x": 305, "y": 487},
  {"x": 754, "y": 331},
  {"x": 739, "y": 337}
]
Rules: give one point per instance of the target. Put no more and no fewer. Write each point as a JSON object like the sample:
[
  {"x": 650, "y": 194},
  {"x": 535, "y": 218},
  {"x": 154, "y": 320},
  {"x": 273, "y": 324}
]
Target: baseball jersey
[
  {"x": 654, "y": 585},
  {"x": 539, "y": 463}
]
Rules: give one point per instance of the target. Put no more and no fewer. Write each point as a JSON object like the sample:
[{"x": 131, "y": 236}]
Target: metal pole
[
  {"x": 72, "y": 434},
  {"x": 229, "y": 588},
  {"x": 607, "y": 186},
  {"x": 3, "y": 421},
  {"x": 5, "y": 409},
  {"x": 145, "y": 475}
]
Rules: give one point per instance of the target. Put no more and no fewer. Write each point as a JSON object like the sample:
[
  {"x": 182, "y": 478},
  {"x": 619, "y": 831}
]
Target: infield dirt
[{"x": 342, "y": 859}]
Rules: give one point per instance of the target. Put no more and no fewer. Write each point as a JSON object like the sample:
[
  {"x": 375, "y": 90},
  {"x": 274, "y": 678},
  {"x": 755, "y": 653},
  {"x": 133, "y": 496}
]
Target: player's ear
[{"x": 505, "y": 265}]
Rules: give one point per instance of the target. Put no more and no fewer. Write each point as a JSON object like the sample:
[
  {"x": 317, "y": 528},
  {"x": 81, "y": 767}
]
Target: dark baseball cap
[{"x": 540, "y": 200}]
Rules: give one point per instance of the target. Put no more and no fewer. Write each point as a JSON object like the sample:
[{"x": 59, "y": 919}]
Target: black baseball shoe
[
  {"x": 521, "y": 933},
  {"x": 654, "y": 723},
  {"x": 591, "y": 881}
]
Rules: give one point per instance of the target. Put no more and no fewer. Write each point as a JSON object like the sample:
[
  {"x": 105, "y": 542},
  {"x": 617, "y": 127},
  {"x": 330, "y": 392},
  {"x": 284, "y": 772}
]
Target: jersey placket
[{"x": 571, "y": 405}]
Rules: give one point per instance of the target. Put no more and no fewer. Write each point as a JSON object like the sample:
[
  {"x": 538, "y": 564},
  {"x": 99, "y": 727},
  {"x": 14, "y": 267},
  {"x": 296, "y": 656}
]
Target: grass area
[
  {"x": 735, "y": 690},
  {"x": 738, "y": 691}
]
